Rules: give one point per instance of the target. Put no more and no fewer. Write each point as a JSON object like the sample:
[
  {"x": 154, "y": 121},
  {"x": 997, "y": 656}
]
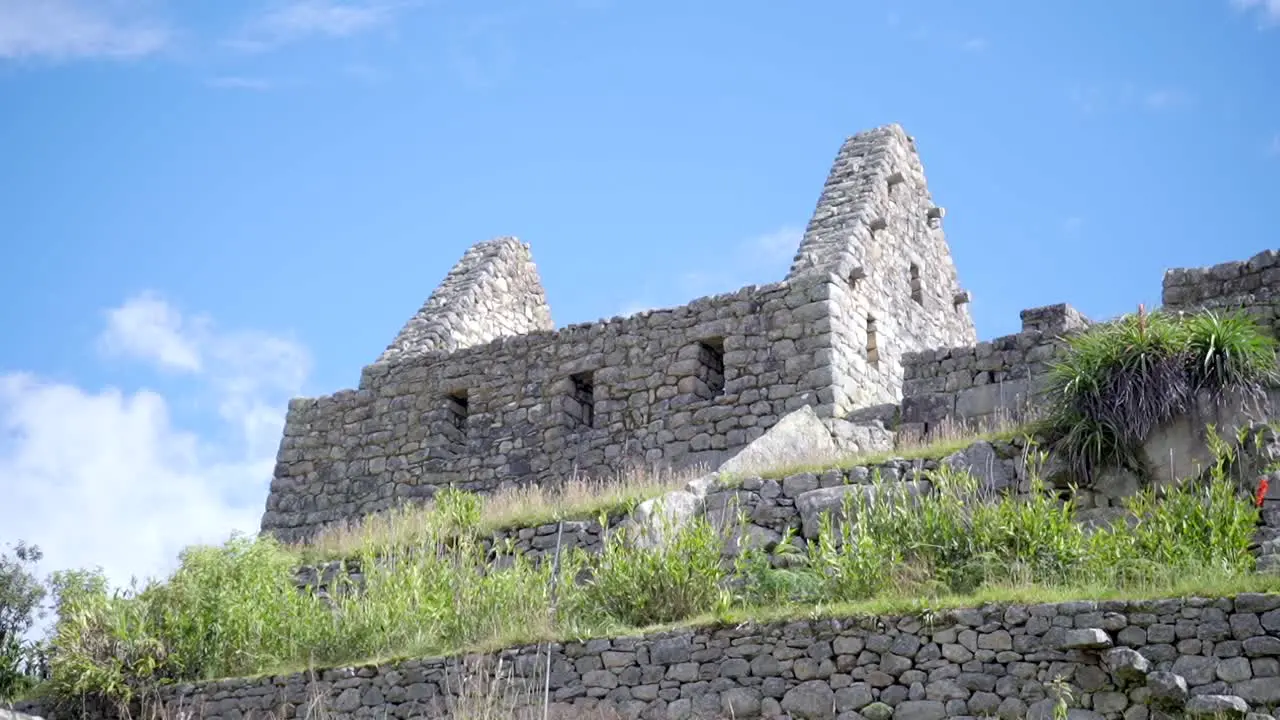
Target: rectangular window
[
  {"x": 581, "y": 405},
  {"x": 917, "y": 291},
  {"x": 873, "y": 354},
  {"x": 457, "y": 408},
  {"x": 710, "y": 368}
]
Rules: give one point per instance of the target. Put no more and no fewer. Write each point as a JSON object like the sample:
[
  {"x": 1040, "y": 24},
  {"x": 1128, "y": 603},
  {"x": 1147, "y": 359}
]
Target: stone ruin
[{"x": 870, "y": 329}]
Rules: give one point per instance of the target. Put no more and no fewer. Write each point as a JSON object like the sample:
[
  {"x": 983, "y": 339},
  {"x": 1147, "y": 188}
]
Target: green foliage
[
  {"x": 20, "y": 596},
  {"x": 953, "y": 540},
  {"x": 1120, "y": 380},
  {"x": 959, "y": 539},
  {"x": 1228, "y": 352},
  {"x": 235, "y": 610},
  {"x": 631, "y": 584}
]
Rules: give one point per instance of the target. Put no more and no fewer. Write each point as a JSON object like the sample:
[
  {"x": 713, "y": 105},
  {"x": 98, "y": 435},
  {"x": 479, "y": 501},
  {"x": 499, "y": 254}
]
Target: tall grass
[
  {"x": 234, "y": 609},
  {"x": 959, "y": 539},
  {"x": 1118, "y": 381},
  {"x": 578, "y": 497}
]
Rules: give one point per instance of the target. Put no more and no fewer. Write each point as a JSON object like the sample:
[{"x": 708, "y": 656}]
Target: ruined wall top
[
  {"x": 1239, "y": 283},
  {"x": 494, "y": 291}
]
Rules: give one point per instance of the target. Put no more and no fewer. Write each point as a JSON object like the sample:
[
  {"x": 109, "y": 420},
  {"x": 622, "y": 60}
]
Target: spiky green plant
[{"x": 1120, "y": 380}]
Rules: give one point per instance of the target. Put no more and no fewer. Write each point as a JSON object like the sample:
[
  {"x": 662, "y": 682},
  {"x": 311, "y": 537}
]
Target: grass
[
  {"x": 1120, "y": 380},
  {"x": 943, "y": 439},
  {"x": 581, "y": 498},
  {"x": 578, "y": 498},
  {"x": 234, "y": 611}
]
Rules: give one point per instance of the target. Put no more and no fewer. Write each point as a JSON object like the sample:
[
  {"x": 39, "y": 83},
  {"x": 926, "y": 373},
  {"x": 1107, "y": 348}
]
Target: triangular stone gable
[
  {"x": 493, "y": 291},
  {"x": 876, "y": 227}
]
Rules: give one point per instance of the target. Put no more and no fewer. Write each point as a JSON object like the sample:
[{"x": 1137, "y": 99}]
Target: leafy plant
[
  {"x": 1118, "y": 381},
  {"x": 20, "y": 595}
]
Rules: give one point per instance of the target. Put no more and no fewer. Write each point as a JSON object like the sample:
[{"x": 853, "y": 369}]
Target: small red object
[{"x": 1263, "y": 486}]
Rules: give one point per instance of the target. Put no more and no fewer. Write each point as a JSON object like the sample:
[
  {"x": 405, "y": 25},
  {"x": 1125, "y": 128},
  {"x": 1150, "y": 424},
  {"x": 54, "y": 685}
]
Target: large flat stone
[
  {"x": 799, "y": 438},
  {"x": 842, "y": 501}
]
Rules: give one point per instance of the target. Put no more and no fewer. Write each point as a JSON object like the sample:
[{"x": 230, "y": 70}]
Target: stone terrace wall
[
  {"x": 878, "y": 231},
  {"x": 1253, "y": 284},
  {"x": 976, "y": 382},
  {"x": 770, "y": 507},
  {"x": 1118, "y": 658},
  {"x": 671, "y": 387}
]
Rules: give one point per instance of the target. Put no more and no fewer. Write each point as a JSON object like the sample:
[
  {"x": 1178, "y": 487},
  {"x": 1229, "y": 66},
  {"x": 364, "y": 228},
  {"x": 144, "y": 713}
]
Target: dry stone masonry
[
  {"x": 1140, "y": 660},
  {"x": 870, "y": 329},
  {"x": 479, "y": 392}
]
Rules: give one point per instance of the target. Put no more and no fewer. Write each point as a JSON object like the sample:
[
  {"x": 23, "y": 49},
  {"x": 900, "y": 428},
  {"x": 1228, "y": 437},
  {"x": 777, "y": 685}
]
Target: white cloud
[
  {"x": 148, "y": 328},
  {"x": 109, "y": 478},
  {"x": 976, "y": 44},
  {"x": 76, "y": 29},
  {"x": 1125, "y": 96},
  {"x": 295, "y": 20},
  {"x": 237, "y": 82},
  {"x": 1072, "y": 225},
  {"x": 1165, "y": 99},
  {"x": 762, "y": 258},
  {"x": 1268, "y": 9}
]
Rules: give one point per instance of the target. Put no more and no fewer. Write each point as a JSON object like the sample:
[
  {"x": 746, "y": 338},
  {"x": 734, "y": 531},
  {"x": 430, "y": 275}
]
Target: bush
[
  {"x": 632, "y": 585},
  {"x": 235, "y": 609},
  {"x": 20, "y": 597},
  {"x": 1120, "y": 380}
]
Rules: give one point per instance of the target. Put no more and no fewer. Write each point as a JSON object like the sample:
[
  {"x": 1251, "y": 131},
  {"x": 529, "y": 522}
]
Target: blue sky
[{"x": 208, "y": 211}]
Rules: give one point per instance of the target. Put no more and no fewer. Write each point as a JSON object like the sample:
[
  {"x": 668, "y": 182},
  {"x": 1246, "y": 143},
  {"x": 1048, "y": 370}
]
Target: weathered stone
[
  {"x": 1216, "y": 706},
  {"x": 1126, "y": 665},
  {"x": 799, "y": 438},
  {"x": 842, "y": 501},
  {"x": 920, "y": 710},
  {"x": 812, "y": 700},
  {"x": 1167, "y": 690},
  {"x": 1086, "y": 639}
]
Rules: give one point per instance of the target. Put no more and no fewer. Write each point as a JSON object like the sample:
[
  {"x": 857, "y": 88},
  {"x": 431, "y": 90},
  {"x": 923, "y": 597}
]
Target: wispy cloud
[
  {"x": 63, "y": 30},
  {"x": 296, "y": 20},
  {"x": 1273, "y": 148},
  {"x": 239, "y": 82},
  {"x": 975, "y": 44},
  {"x": 108, "y": 477},
  {"x": 1267, "y": 10},
  {"x": 1165, "y": 99},
  {"x": 1096, "y": 99},
  {"x": 1072, "y": 225},
  {"x": 761, "y": 258}
]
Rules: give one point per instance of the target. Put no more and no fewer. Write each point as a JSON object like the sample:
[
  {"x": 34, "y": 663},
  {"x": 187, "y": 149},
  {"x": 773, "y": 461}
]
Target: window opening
[
  {"x": 582, "y": 399},
  {"x": 711, "y": 368},
  {"x": 873, "y": 353}
]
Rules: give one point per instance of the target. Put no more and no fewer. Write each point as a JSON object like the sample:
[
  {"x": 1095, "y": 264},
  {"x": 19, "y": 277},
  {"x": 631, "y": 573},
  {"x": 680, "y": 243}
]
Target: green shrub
[
  {"x": 631, "y": 585},
  {"x": 20, "y": 596},
  {"x": 1118, "y": 381},
  {"x": 1228, "y": 351},
  {"x": 953, "y": 540},
  {"x": 235, "y": 610}
]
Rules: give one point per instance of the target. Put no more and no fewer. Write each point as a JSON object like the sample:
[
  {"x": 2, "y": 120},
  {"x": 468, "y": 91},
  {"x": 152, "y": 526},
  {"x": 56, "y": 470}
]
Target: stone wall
[
  {"x": 977, "y": 383},
  {"x": 877, "y": 230},
  {"x": 770, "y": 508},
  {"x": 1253, "y": 284},
  {"x": 478, "y": 391},
  {"x": 671, "y": 387},
  {"x": 494, "y": 291},
  {"x": 1133, "y": 660}
]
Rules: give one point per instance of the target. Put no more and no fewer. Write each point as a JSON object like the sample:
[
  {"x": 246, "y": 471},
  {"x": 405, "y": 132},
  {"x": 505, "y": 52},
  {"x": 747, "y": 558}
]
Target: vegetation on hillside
[
  {"x": 430, "y": 584},
  {"x": 1120, "y": 380},
  {"x": 20, "y": 596},
  {"x": 234, "y": 610}
]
